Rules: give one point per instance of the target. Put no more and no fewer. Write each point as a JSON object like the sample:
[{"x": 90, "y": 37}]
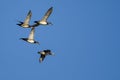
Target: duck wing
[
  {"x": 31, "y": 35},
  {"x": 47, "y": 14},
  {"x": 41, "y": 58},
  {"x": 28, "y": 17}
]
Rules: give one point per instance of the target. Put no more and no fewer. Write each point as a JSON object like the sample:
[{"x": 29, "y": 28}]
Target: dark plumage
[{"x": 44, "y": 53}]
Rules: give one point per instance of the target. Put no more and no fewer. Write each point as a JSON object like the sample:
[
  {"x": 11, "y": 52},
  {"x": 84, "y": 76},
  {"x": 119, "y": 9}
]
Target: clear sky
[{"x": 85, "y": 37}]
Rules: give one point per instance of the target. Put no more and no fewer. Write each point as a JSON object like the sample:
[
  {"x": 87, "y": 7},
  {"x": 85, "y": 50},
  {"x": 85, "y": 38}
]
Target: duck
[
  {"x": 44, "y": 21},
  {"x": 25, "y": 24},
  {"x": 44, "y": 53},
  {"x": 30, "y": 38}
]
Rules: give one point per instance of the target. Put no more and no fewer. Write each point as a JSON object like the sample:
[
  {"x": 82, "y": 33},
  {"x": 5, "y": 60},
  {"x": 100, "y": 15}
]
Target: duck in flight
[
  {"x": 25, "y": 24},
  {"x": 44, "y": 53},
  {"x": 44, "y": 21},
  {"x": 30, "y": 38}
]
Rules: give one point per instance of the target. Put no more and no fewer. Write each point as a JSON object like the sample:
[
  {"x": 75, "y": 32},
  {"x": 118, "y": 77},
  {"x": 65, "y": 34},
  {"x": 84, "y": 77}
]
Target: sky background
[{"x": 85, "y": 37}]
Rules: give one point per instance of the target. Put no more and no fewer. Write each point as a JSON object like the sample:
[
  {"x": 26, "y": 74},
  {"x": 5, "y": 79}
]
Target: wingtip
[
  {"x": 30, "y": 11},
  {"x": 51, "y": 7},
  {"x": 40, "y": 60}
]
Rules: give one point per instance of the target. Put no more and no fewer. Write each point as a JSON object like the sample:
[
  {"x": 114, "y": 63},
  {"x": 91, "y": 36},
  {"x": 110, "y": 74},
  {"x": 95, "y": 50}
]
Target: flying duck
[
  {"x": 44, "y": 21},
  {"x": 30, "y": 38},
  {"x": 25, "y": 24},
  {"x": 44, "y": 53}
]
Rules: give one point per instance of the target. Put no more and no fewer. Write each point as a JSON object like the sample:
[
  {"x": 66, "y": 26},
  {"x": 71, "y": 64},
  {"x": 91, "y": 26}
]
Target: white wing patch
[{"x": 31, "y": 35}]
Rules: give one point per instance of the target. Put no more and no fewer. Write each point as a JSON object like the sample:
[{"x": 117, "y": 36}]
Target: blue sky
[{"x": 84, "y": 37}]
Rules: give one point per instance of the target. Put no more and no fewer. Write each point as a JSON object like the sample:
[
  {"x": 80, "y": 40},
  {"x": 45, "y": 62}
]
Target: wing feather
[
  {"x": 47, "y": 14},
  {"x": 31, "y": 35},
  {"x": 28, "y": 18},
  {"x": 41, "y": 58}
]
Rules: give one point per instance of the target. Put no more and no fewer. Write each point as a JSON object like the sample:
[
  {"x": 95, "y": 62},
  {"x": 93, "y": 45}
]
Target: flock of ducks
[{"x": 30, "y": 38}]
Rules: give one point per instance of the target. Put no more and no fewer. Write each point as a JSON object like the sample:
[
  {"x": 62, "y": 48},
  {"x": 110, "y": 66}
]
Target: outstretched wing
[
  {"x": 31, "y": 35},
  {"x": 47, "y": 14},
  {"x": 27, "y": 20},
  {"x": 41, "y": 58}
]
